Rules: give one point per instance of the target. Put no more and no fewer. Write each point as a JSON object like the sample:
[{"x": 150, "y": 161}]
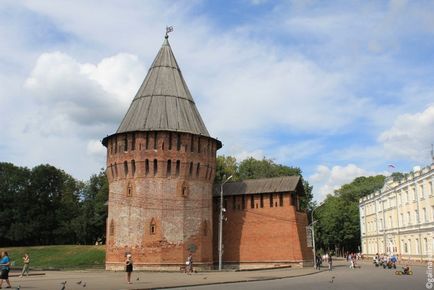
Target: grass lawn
[{"x": 59, "y": 257}]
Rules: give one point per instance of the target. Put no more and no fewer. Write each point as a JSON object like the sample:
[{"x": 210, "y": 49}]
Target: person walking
[
  {"x": 330, "y": 261},
  {"x": 318, "y": 261},
  {"x": 26, "y": 265},
  {"x": 129, "y": 267},
  {"x": 189, "y": 264},
  {"x": 5, "y": 262}
]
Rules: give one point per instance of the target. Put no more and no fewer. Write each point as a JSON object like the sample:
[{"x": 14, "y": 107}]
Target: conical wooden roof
[{"x": 163, "y": 101}]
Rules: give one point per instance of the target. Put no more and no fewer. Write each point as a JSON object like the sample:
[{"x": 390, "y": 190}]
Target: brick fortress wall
[
  {"x": 160, "y": 202},
  {"x": 262, "y": 234}
]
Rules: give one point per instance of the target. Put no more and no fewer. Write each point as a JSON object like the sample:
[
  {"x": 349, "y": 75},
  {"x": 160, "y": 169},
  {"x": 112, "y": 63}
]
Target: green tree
[
  {"x": 90, "y": 225},
  {"x": 338, "y": 227}
]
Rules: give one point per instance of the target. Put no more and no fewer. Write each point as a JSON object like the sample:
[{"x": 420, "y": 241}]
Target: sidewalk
[{"x": 99, "y": 279}]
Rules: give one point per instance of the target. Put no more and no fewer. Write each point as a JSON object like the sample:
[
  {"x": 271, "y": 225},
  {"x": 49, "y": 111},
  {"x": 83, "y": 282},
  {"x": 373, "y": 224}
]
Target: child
[{"x": 26, "y": 262}]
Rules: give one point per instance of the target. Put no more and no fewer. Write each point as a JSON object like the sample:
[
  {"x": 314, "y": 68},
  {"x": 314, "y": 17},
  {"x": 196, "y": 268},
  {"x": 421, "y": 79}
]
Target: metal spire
[{"x": 168, "y": 30}]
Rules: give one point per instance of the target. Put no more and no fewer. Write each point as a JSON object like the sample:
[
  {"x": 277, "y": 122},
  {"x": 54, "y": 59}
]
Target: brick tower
[{"x": 160, "y": 165}]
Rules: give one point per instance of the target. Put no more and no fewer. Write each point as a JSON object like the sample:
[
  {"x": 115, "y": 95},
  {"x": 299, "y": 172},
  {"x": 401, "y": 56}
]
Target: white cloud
[
  {"x": 326, "y": 180},
  {"x": 410, "y": 136},
  {"x": 95, "y": 148},
  {"x": 91, "y": 96}
]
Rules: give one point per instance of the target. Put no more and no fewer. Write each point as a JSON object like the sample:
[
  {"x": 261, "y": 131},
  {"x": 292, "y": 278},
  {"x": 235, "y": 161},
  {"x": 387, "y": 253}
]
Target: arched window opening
[
  {"x": 192, "y": 144},
  {"x": 198, "y": 170},
  {"x": 205, "y": 228},
  {"x": 178, "y": 165},
  {"x": 112, "y": 228},
  {"x": 147, "y": 166},
  {"x": 126, "y": 168},
  {"x": 147, "y": 141},
  {"x": 155, "y": 140},
  {"x": 271, "y": 200},
  {"x": 190, "y": 171},
  {"x": 112, "y": 170},
  {"x": 178, "y": 142},
  {"x": 169, "y": 167},
  {"x": 261, "y": 202},
  {"x": 155, "y": 167},
  {"x": 133, "y": 167},
  {"x": 129, "y": 190},
  {"x": 125, "y": 143},
  {"x": 281, "y": 199},
  {"x": 198, "y": 144},
  {"x": 116, "y": 170},
  {"x": 170, "y": 140},
  {"x": 153, "y": 227},
  {"x": 133, "y": 142}
]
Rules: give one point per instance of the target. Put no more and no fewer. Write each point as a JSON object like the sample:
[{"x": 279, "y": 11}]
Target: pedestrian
[
  {"x": 318, "y": 261},
  {"x": 129, "y": 267},
  {"x": 26, "y": 265},
  {"x": 5, "y": 262},
  {"x": 330, "y": 261},
  {"x": 189, "y": 264}
]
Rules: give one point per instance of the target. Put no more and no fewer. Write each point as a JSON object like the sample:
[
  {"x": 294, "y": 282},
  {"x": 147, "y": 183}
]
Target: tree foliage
[
  {"x": 45, "y": 205},
  {"x": 338, "y": 218}
]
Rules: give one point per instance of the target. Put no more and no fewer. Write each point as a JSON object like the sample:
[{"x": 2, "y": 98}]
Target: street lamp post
[
  {"x": 221, "y": 223},
  {"x": 313, "y": 235}
]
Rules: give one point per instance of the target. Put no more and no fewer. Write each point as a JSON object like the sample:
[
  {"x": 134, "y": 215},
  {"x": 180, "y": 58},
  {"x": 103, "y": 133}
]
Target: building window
[
  {"x": 192, "y": 143},
  {"x": 153, "y": 227},
  {"x": 425, "y": 216},
  {"x": 271, "y": 200},
  {"x": 155, "y": 140},
  {"x": 261, "y": 202},
  {"x": 205, "y": 228},
  {"x": 425, "y": 243},
  {"x": 190, "y": 171},
  {"x": 198, "y": 144},
  {"x": 198, "y": 170},
  {"x": 405, "y": 248},
  {"x": 146, "y": 166},
  {"x": 126, "y": 168},
  {"x": 116, "y": 170},
  {"x": 243, "y": 202},
  {"x": 112, "y": 170},
  {"x": 178, "y": 142},
  {"x": 416, "y": 248},
  {"x": 129, "y": 190},
  {"x": 281, "y": 199},
  {"x": 112, "y": 228},
  {"x": 178, "y": 165},
  {"x": 133, "y": 142},
  {"x": 170, "y": 140},
  {"x": 155, "y": 167},
  {"x": 147, "y": 141},
  {"x": 234, "y": 201},
  {"x": 169, "y": 167},
  {"x": 431, "y": 189},
  {"x": 408, "y": 218},
  {"x": 252, "y": 201},
  {"x": 125, "y": 143},
  {"x": 184, "y": 192},
  {"x": 133, "y": 167}
]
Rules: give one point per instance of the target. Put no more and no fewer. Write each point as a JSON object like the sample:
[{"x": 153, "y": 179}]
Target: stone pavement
[{"x": 105, "y": 280}]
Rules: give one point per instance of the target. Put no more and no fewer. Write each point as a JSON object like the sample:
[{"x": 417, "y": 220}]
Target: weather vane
[{"x": 168, "y": 30}]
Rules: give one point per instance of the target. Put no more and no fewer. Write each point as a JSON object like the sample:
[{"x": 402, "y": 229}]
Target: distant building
[
  {"x": 264, "y": 225},
  {"x": 161, "y": 164},
  {"x": 399, "y": 218}
]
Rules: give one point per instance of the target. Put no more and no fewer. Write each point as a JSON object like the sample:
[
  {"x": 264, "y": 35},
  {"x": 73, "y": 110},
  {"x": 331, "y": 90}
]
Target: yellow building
[{"x": 399, "y": 219}]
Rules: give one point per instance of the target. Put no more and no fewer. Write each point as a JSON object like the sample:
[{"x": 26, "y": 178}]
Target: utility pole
[{"x": 221, "y": 223}]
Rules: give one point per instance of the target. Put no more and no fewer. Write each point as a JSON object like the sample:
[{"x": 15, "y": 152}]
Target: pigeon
[
  {"x": 137, "y": 279},
  {"x": 331, "y": 281},
  {"x": 84, "y": 284},
  {"x": 79, "y": 282}
]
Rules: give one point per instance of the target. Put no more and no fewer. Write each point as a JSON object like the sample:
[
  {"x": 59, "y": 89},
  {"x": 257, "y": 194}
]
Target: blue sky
[{"x": 338, "y": 88}]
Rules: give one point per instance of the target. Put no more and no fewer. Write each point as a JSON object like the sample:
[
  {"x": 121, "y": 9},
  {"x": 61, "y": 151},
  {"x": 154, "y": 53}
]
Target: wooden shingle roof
[
  {"x": 263, "y": 185},
  {"x": 163, "y": 101}
]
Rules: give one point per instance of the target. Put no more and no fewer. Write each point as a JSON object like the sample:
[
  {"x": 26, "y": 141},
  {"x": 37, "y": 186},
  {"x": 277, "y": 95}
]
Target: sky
[{"x": 340, "y": 89}]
